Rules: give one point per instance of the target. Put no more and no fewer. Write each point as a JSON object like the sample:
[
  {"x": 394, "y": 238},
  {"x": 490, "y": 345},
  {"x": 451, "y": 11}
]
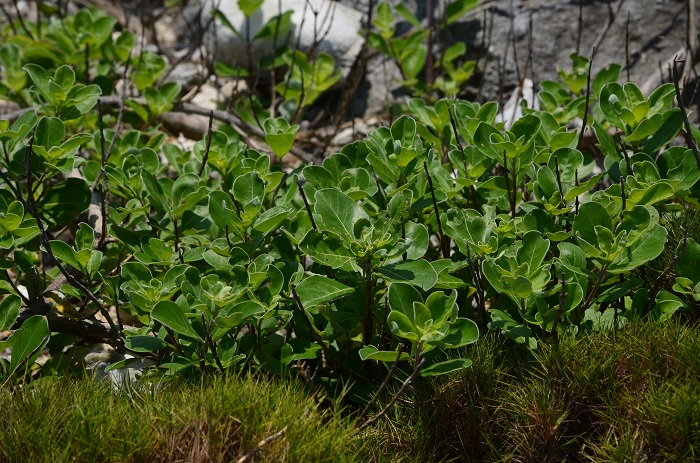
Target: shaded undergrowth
[{"x": 634, "y": 396}]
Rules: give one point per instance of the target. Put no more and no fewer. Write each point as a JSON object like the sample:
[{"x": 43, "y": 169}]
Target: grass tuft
[{"x": 218, "y": 421}]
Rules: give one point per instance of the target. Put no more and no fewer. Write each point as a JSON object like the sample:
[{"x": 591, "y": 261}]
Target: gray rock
[{"x": 656, "y": 33}]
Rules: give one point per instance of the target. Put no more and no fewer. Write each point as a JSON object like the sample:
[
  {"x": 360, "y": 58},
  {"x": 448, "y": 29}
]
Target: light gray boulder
[
  {"x": 122, "y": 378},
  {"x": 322, "y": 25}
]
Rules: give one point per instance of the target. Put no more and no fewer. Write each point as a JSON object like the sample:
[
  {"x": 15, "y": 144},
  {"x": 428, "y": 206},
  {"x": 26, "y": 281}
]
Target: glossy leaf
[
  {"x": 372, "y": 353},
  {"x": 9, "y": 311},
  {"x": 171, "y": 315},
  {"x": 28, "y": 340},
  {"x": 144, "y": 344},
  {"x": 448, "y": 366},
  {"x": 279, "y": 134},
  {"x": 646, "y": 248},
  {"x": 327, "y": 250},
  {"x": 337, "y": 212},
  {"x": 462, "y": 331},
  {"x": 317, "y": 289},
  {"x": 418, "y": 273},
  {"x": 235, "y": 315}
]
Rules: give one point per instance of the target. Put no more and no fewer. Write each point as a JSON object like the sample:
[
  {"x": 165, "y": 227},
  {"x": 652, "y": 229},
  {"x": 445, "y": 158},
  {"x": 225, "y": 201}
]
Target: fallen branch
[{"x": 245, "y": 130}]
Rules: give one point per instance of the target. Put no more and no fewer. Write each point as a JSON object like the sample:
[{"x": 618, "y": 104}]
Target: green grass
[
  {"x": 632, "y": 397},
  {"x": 78, "y": 420}
]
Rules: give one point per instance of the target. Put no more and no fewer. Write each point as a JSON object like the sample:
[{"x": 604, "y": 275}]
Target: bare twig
[
  {"x": 87, "y": 63},
  {"x": 588, "y": 99},
  {"x": 611, "y": 19},
  {"x": 679, "y": 97},
  {"x": 531, "y": 61},
  {"x": 444, "y": 244},
  {"x": 273, "y": 68},
  {"x": 206, "y": 151},
  {"x": 104, "y": 196},
  {"x": 210, "y": 342},
  {"x": 314, "y": 335},
  {"x": 250, "y": 453},
  {"x": 690, "y": 35},
  {"x": 429, "y": 44},
  {"x": 559, "y": 185},
  {"x": 580, "y": 26},
  {"x": 193, "y": 46},
  {"x": 382, "y": 386},
  {"x": 9, "y": 19},
  {"x": 122, "y": 103},
  {"x": 623, "y": 195},
  {"x": 658, "y": 77},
  {"x": 576, "y": 202},
  {"x": 21, "y": 20},
  {"x": 627, "y": 46},
  {"x": 357, "y": 72},
  {"x": 511, "y": 192},
  {"x": 306, "y": 204},
  {"x": 453, "y": 123},
  {"x": 624, "y": 153},
  {"x": 417, "y": 369},
  {"x": 486, "y": 45},
  {"x": 477, "y": 282}
]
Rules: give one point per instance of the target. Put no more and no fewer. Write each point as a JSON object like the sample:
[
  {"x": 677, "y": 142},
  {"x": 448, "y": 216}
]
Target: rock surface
[
  {"x": 491, "y": 31},
  {"x": 657, "y": 31}
]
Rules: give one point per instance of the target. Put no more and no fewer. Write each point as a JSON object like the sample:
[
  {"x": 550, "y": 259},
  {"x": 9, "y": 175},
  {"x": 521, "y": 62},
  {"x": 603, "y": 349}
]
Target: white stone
[
  {"x": 336, "y": 29},
  {"x": 513, "y": 110},
  {"x": 122, "y": 378}
]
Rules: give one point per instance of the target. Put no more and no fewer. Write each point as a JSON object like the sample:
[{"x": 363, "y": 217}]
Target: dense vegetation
[{"x": 357, "y": 275}]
